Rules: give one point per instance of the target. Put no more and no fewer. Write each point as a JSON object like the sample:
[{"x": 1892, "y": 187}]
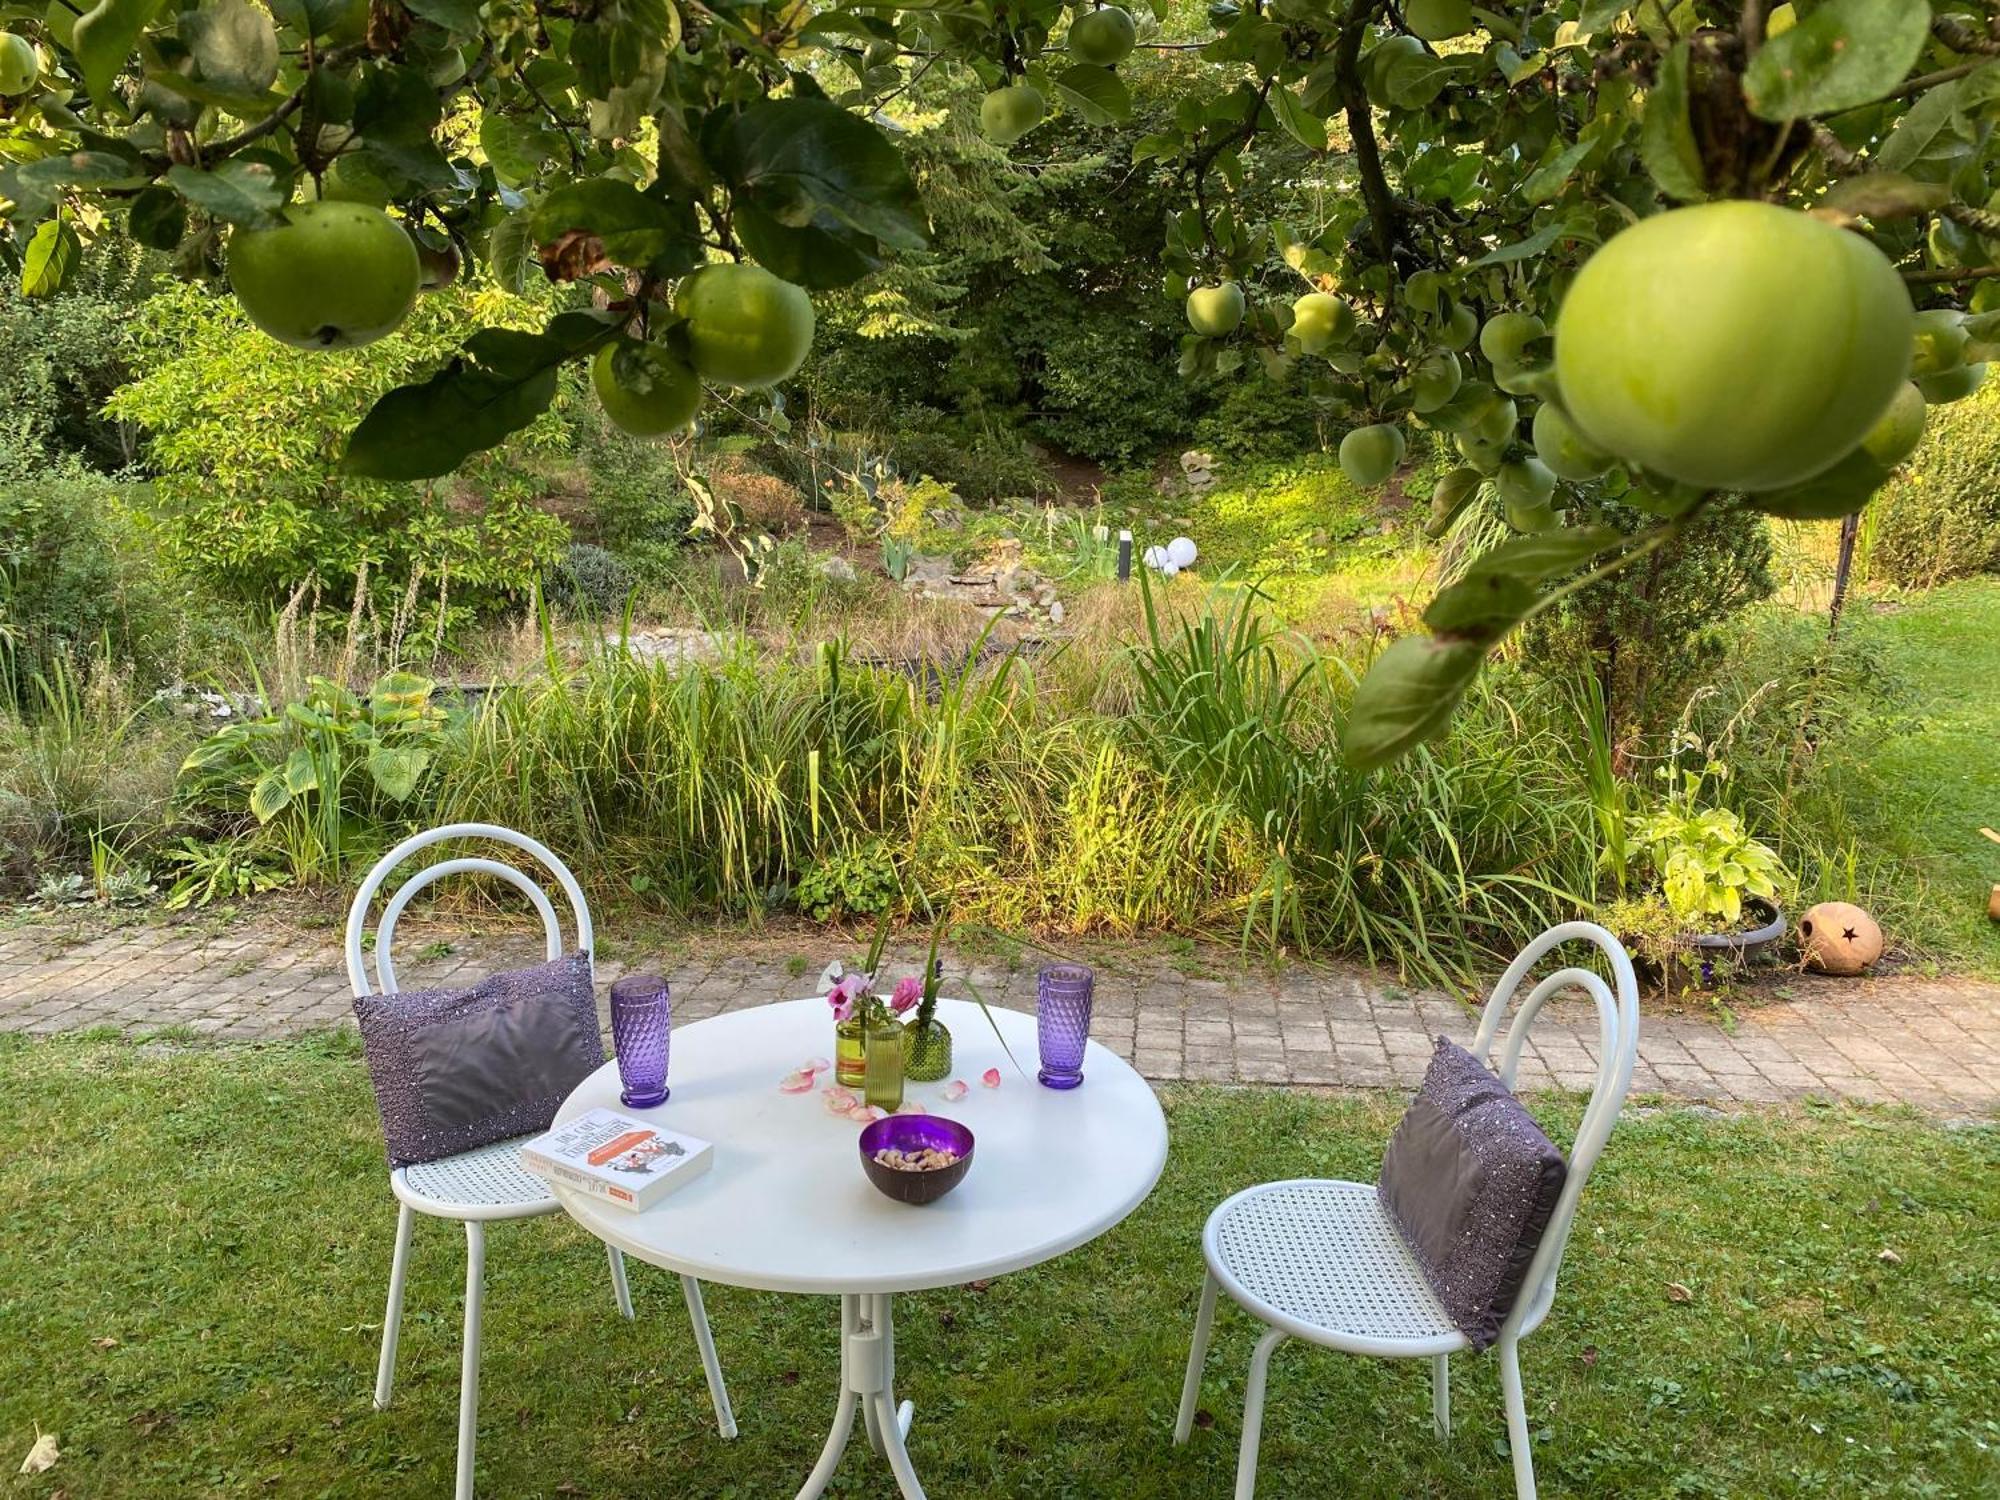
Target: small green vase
[
  {"x": 882, "y": 1084},
  {"x": 926, "y": 1051}
]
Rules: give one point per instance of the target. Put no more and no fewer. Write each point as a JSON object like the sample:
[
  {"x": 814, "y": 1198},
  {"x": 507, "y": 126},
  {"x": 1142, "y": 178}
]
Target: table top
[{"x": 786, "y": 1207}]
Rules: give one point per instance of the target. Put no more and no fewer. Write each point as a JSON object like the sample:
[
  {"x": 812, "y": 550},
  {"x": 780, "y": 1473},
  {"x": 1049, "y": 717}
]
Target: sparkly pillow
[
  {"x": 1470, "y": 1182},
  {"x": 455, "y": 1069}
]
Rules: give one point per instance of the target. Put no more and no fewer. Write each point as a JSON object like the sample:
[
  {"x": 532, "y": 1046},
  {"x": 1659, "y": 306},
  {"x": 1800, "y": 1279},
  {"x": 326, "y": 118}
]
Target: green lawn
[
  {"x": 221, "y": 1215},
  {"x": 1924, "y": 776}
]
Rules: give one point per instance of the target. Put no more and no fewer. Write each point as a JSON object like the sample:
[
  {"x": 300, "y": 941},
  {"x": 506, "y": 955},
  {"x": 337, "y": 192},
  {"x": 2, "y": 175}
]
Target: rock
[
  {"x": 678, "y": 646},
  {"x": 839, "y": 569},
  {"x": 1056, "y": 612}
]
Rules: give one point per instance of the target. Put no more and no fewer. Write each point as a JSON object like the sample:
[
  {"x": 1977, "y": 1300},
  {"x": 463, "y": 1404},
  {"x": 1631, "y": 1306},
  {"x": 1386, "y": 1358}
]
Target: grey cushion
[
  {"x": 455, "y": 1069},
  {"x": 1471, "y": 1182}
]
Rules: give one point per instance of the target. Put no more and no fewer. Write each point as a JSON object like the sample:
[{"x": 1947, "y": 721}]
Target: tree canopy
[{"x": 1726, "y": 353}]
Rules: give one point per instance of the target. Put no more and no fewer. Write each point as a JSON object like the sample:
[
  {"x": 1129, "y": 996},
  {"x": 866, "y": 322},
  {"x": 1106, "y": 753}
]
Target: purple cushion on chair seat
[
  {"x": 455, "y": 1069},
  {"x": 1470, "y": 1182}
]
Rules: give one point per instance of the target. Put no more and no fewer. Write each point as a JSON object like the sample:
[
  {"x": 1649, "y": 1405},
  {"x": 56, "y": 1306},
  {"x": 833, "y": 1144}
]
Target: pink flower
[
  {"x": 846, "y": 990},
  {"x": 909, "y": 990}
]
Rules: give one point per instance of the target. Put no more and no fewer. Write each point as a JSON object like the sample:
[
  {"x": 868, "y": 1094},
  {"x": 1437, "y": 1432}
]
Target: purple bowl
[{"x": 914, "y": 1133}]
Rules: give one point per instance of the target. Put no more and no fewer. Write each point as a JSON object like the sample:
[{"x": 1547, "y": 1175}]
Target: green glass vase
[
  {"x": 926, "y": 1051},
  {"x": 850, "y": 1053},
  {"x": 883, "y": 1081}
]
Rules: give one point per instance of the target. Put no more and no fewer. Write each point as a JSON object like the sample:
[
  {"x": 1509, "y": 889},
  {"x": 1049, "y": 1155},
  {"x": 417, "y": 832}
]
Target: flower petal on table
[
  {"x": 955, "y": 1090},
  {"x": 911, "y": 1107},
  {"x": 796, "y": 1082},
  {"x": 865, "y": 1114},
  {"x": 991, "y": 1078},
  {"x": 815, "y": 1065},
  {"x": 838, "y": 1101}
]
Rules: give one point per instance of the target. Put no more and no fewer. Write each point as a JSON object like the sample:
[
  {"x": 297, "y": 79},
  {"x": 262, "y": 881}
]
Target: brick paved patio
[{"x": 1199, "y": 1015}]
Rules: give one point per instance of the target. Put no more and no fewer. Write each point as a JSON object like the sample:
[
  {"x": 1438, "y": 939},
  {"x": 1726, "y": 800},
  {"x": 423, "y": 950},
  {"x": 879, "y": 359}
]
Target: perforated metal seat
[
  {"x": 1323, "y": 1261},
  {"x": 487, "y": 1179}
]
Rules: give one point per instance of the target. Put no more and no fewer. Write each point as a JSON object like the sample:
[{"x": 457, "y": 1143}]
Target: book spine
[{"x": 568, "y": 1176}]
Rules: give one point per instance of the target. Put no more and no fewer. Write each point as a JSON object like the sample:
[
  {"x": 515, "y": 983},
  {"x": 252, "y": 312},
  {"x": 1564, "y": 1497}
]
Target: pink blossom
[
  {"x": 846, "y": 990},
  {"x": 909, "y": 990}
]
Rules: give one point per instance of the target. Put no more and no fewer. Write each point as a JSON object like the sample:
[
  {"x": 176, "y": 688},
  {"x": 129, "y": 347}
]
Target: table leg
[{"x": 867, "y": 1376}]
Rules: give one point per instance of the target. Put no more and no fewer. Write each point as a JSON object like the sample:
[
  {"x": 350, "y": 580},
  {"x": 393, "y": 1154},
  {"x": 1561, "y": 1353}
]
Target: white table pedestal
[{"x": 868, "y": 1379}]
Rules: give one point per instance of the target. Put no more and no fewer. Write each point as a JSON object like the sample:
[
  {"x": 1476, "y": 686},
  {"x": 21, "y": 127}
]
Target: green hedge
[{"x": 1940, "y": 519}]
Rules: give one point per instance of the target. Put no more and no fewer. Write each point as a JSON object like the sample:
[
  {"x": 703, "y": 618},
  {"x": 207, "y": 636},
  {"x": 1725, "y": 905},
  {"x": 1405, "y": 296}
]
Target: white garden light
[{"x": 1181, "y": 552}]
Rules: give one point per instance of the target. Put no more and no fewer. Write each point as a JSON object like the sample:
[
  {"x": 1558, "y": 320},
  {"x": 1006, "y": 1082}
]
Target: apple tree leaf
[
  {"x": 1407, "y": 697},
  {"x": 105, "y": 37},
  {"x": 50, "y": 261},
  {"x": 1666, "y": 135},
  {"x": 1845, "y": 53}
]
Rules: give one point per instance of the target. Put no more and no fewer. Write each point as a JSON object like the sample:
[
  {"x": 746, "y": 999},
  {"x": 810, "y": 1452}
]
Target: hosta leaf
[
  {"x": 50, "y": 261},
  {"x": 301, "y": 773},
  {"x": 1407, "y": 697},
  {"x": 1666, "y": 134},
  {"x": 269, "y": 796},
  {"x": 396, "y": 772},
  {"x": 1845, "y": 53}
]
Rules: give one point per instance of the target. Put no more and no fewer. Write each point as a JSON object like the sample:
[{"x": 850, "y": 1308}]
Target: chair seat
[
  {"x": 1323, "y": 1261},
  {"x": 487, "y": 1182}
]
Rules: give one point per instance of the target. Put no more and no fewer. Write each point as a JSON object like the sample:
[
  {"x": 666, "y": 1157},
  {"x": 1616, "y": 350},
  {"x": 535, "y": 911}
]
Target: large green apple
[
  {"x": 1435, "y": 380},
  {"x": 1951, "y": 385},
  {"x": 20, "y": 64},
  {"x": 1895, "y": 437},
  {"x": 1734, "y": 345},
  {"x": 1369, "y": 455},
  {"x": 1940, "y": 341},
  {"x": 332, "y": 276},
  {"x": 1005, "y": 115},
  {"x": 745, "y": 327},
  {"x": 644, "y": 389},
  {"x": 1560, "y": 446},
  {"x": 1215, "y": 311},
  {"x": 1104, "y": 36},
  {"x": 1319, "y": 321}
]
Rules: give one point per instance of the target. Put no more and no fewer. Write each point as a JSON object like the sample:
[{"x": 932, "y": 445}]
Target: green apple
[
  {"x": 1560, "y": 446},
  {"x": 745, "y": 327},
  {"x": 1506, "y": 336},
  {"x": 1438, "y": 20},
  {"x": 1321, "y": 320},
  {"x": 1895, "y": 435},
  {"x": 644, "y": 389},
  {"x": 1526, "y": 484},
  {"x": 1940, "y": 341},
  {"x": 1951, "y": 385},
  {"x": 1104, "y": 36},
  {"x": 1005, "y": 115},
  {"x": 1733, "y": 345},
  {"x": 1435, "y": 380},
  {"x": 20, "y": 63},
  {"x": 331, "y": 276},
  {"x": 1460, "y": 328},
  {"x": 1369, "y": 455},
  {"x": 1215, "y": 311}
]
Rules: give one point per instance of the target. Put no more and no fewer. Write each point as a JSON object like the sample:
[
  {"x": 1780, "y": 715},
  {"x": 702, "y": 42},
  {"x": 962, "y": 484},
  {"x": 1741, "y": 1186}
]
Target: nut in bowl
[{"x": 916, "y": 1158}]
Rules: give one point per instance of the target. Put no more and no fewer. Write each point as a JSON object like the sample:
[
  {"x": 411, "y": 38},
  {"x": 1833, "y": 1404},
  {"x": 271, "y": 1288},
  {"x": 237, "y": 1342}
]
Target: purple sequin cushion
[
  {"x": 1471, "y": 1181},
  {"x": 455, "y": 1069}
]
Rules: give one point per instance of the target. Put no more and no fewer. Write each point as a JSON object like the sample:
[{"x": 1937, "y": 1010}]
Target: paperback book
[{"x": 632, "y": 1163}]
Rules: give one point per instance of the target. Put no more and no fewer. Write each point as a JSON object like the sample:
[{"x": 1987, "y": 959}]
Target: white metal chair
[
  {"x": 479, "y": 1186},
  {"x": 1321, "y": 1260}
]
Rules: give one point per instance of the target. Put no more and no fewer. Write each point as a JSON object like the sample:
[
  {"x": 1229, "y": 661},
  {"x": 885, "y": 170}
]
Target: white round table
[{"x": 785, "y": 1206}]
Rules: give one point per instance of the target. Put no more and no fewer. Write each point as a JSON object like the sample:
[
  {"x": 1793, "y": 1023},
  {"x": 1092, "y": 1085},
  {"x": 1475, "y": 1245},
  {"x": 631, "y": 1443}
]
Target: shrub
[
  {"x": 590, "y": 579},
  {"x": 858, "y": 880},
  {"x": 1940, "y": 518}
]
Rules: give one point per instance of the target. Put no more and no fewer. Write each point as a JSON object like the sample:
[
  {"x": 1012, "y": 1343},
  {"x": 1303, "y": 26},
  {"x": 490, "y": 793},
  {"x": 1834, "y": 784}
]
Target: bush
[
  {"x": 590, "y": 580},
  {"x": 60, "y": 360},
  {"x": 1940, "y": 518}
]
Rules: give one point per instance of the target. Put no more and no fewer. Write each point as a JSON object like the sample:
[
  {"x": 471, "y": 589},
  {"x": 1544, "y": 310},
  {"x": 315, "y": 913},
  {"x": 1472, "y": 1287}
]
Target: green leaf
[
  {"x": 269, "y": 796},
  {"x": 395, "y": 113},
  {"x": 1838, "y": 491},
  {"x": 1920, "y": 124},
  {"x": 1407, "y": 697},
  {"x": 1548, "y": 179},
  {"x": 1846, "y": 53},
  {"x": 1535, "y": 244},
  {"x": 50, "y": 261},
  {"x": 819, "y": 256},
  {"x": 234, "y": 45},
  {"x": 105, "y": 37},
  {"x": 313, "y": 17},
  {"x": 1666, "y": 135},
  {"x": 301, "y": 773},
  {"x": 502, "y": 382},
  {"x": 511, "y": 251},
  {"x": 1095, "y": 95},
  {"x": 158, "y": 218},
  {"x": 461, "y": 17},
  {"x": 791, "y": 158},
  {"x": 1885, "y": 195},
  {"x": 397, "y": 771},
  {"x": 516, "y": 145},
  {"x": 1300, "y": 123},
  {"x": 1546, "y": 554},
  {"x": 239, "y": 190},
  {"x": 1480, "y": 607},
  {"x": 638, "y": 230}
]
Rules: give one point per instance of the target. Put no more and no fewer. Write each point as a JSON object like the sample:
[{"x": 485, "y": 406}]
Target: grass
[{"x": 196, "y": 1242}]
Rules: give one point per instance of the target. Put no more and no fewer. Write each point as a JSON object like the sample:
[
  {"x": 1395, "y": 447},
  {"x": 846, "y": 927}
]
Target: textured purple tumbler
[
  {"x": 1062, "y": 1023},
  {"x": 641, "y": 1012}
]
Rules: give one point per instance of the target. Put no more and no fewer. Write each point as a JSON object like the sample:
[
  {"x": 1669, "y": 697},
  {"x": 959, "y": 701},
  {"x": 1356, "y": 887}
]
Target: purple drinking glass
[
  {"x": 1062, "y": 1023},
  {"x": 641, "y": 1014}
]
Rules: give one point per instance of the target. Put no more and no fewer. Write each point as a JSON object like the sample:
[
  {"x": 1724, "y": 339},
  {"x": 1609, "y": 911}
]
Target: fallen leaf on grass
[
  {"x": 42, "y": 1457},
  {"x": 107, "y": 1342},
  {"x": 1888, "y": 1257},
  {"x": 1678, "y": 1292}
]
